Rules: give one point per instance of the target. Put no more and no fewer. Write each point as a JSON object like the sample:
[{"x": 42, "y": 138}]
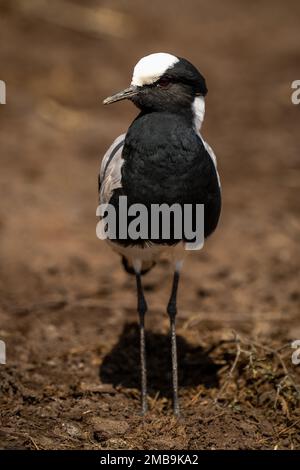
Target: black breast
[{"x": 165, "y": 161}]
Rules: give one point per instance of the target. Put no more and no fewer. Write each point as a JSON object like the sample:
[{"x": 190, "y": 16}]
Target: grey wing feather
[
  {"x": 213, "y": 157},
  {"x": 110, "y": 171}
]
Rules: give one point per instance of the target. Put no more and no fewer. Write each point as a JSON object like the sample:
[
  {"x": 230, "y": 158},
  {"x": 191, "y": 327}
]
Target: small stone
[
  {"x": 116, "y": 443},
  {"x": 107, "y": 428},
  {"x": 97, "y": 388}
]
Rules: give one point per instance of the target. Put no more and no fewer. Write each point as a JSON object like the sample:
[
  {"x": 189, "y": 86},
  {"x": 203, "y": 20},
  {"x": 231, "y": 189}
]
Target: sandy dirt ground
[{"x": 67, "y": 308}]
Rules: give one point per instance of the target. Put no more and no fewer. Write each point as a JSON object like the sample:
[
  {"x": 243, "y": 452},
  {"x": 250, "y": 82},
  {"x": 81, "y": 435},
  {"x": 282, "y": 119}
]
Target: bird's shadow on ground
[{"x": 121, "y": 365}]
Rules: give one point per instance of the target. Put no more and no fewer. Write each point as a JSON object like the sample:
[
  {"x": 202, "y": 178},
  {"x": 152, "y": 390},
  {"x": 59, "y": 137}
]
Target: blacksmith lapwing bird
[{"x": 162, "y": 158}]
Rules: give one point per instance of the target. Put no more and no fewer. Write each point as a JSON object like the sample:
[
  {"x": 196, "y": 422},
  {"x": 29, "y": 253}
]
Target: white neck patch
[
  {"x": 151, "y": 67},
  {"x": 198, "y": 107}
]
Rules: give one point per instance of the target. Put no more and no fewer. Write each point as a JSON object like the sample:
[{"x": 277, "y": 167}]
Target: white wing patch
[{"x": 110, "y": 171}]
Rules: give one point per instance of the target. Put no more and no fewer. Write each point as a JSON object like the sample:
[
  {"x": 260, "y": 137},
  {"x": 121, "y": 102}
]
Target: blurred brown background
[{"x": 66, "y": 303}]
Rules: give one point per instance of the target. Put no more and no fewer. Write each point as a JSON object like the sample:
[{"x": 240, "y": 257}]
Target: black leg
[
  {"x": 172, "y": 310},
  {"x": 142, "y": 309}
]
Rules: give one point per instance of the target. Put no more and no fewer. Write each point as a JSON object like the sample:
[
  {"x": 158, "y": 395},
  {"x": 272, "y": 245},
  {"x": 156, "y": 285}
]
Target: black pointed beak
[{"x": 122, "y": 95}]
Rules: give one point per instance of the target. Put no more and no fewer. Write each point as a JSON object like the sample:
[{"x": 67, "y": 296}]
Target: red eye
[{"x": 163, "y": 82}]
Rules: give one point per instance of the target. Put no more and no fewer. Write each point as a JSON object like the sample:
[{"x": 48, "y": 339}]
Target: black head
[{"x": 163, "y": 82}]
